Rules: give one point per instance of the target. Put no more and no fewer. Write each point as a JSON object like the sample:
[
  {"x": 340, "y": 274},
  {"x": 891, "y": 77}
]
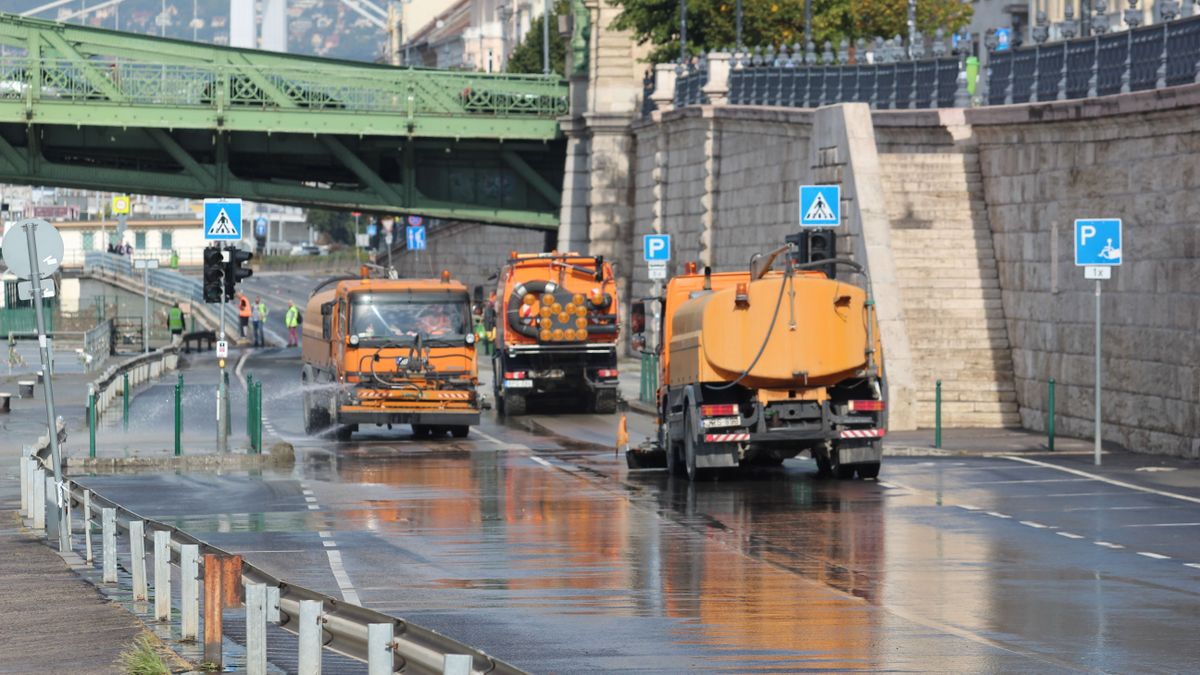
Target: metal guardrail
[
  {"x": 165, "y": 281},
  {"x": 388, "y": 644}
]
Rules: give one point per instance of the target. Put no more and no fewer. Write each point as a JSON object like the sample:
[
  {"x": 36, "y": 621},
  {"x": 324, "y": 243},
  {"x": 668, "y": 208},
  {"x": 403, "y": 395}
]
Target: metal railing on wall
[
  {"x": 1149, "y": 57},
  {"x": 165, "y": 281}
]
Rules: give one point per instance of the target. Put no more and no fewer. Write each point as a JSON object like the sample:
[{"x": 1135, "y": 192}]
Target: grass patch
[{"x": 142, "y": 658}]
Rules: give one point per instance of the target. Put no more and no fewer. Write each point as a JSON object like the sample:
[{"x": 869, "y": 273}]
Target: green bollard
[
  {"x": 179, "y": 416},
  {"x": 91, "y": 422},
  {"x": 250, "y": 406},
  {"x": 228, "y": 422},
  {"x": 125, "y": 403},
  {"x": 258, "y": 425},
  {"x": 937, "y": 416},
  {"x": 1050, "y": 424}
]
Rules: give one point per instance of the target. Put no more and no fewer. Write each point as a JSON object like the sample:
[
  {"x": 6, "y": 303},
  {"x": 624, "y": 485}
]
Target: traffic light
[
  {"x": 813, "y": 245},
  {"x": 214, "y": 269},
  {"x": 234, "y": 272}
]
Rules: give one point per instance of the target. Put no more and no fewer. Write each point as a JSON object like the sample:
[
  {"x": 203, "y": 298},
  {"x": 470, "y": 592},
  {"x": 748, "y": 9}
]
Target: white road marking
[
  {"x": 1030, "y": 523},
  {"x": 887, "y": 484},
  {"x": 1102, "y": 479},
  {"x": 998, "y": 515},
  {"x": 1112, "y": 508},
  {"x": 1156, "y": 556},
  {"x": 503, "y": 444},
  {"x": 1165, "y": 525},
  {"x": 339, "y": 575},
  {"x": 1069, "y": 535},
  {"x": 329, "y": 544},
  {"x": 541, "y": 461},
  {"x": 1022, "y": 482},
  {"x": 1195, "y": 565},
  {"x": 324, "y": 533},
  {"x": 1108, "y": 544},
  {"x": 310, "y": 499},
  {"x": 968, "y": 507},
  {"x": 307, "y": 492},
  {"x": 314, "y": 507}
]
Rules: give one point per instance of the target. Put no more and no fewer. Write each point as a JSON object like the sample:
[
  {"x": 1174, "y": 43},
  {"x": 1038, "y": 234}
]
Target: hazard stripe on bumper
[
  {"x": 863, "y": 433},
  {"x": 725, "y": 438}
]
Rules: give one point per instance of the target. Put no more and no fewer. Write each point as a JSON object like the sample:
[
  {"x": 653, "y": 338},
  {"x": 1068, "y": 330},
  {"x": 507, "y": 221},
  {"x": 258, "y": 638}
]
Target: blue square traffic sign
[
  {"x": 820, "y": 205},
  {"x": 1098, "y": 241},
  {"x": 223, "y": 219},
  {"x": 416, "y": 237},
  {"x": 656, "y": 247}
]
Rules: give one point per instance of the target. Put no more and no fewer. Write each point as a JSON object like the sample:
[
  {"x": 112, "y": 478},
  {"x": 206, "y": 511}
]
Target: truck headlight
[{"x": 470, "y": 338}]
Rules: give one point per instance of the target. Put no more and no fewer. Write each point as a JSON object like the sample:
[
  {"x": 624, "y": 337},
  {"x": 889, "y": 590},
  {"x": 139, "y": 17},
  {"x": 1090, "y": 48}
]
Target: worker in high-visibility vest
[
  {"x": 175, "y": 324},
  {"x": 243, "y": 313},
  {"x": 259, "y": 319},
  {"x": 292, "y": 320}
]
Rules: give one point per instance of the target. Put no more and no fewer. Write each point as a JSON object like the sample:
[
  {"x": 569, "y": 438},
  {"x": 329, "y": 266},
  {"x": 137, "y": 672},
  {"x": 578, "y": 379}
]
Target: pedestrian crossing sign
[
  {"x": 223, "y": 219},
  {"x": 820, "y": 205}
]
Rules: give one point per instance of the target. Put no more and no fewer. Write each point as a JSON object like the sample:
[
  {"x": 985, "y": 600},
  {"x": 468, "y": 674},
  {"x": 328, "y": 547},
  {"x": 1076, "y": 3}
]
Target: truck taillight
[
  {"x": 866, "y": 406},
  {"x": 722, "y": 410},
  {"x": 515, "y": 375},
  {"x": 608, "y": 373}
]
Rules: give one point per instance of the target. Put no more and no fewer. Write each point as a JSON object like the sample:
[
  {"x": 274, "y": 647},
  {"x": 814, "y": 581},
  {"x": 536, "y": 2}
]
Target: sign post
[
  {"x": 1098, "y": 250},
  {"x": 36, "y": 258},
  {"x": 222, "y": 222},
  {"x": 121, "y": 206},
  {"x": 145, "y": 265}
]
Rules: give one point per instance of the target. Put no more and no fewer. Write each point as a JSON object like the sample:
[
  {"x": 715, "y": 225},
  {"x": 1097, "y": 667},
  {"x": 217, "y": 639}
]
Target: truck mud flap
[
  {"x": 652, "y": 458},
  {"x": 863, "y": 452}
]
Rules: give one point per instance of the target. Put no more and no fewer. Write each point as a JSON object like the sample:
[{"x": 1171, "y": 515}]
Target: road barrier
[
  {"x": 387, "y": 644},
  {"x": 937, "y": 415},
  {"x": 178, "y": 416},
  {"x": 1050, "y": 421}
]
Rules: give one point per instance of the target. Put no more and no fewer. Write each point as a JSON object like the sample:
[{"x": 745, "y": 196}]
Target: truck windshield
[{"x": 406, "y": 317}]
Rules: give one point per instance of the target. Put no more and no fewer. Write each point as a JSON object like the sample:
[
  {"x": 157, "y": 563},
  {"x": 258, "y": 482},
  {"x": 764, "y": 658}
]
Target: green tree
[
  {"x": 712, "y": 23},
  {"x": 527, "y": 56},
  {"x": 339, "y": 225}
]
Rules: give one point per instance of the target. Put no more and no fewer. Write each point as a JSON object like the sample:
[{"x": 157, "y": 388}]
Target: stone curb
[{"x": 280, "y": 455}]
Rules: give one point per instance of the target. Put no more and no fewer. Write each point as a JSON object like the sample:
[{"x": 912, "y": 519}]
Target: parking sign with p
[
  {"x": 656, "y": 247},
  {"x": 1097, "y": 241}
]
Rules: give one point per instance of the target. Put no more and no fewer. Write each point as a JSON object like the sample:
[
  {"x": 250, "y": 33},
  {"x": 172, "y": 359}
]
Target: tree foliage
[
  {"x": 527, "y": 56},
  {"x": 712, "y": 23},
  {"x": 338, "y": 225}
]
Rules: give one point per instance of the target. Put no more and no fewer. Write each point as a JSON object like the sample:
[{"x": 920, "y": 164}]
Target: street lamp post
[
  {"x": 546, "y": 37},
  {"x": 683, "y": 33},
  {"x": 912, "y": 25},
  {"x": 738, "y": 19},
  {"x": 808, "y": 24}
]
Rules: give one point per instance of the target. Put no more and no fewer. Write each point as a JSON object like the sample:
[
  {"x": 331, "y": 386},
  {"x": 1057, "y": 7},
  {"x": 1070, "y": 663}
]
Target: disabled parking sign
[{"x": 1097, "y": 242}]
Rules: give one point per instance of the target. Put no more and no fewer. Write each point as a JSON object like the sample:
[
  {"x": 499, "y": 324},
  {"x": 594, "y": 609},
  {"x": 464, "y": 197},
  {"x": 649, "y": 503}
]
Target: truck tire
[
  {"x": 824, "y": 464},
  {"x": 844, "y": 471},
  {"x": 316, "y": 418},
  {"x": 460, "y": 431},
  {"x": 690, "y": 441},
  {"x": 868, "y": 470},
  {"x": 344, "y": 431},
  {"x": 421, "y": 430},
  {"x": 604, "y": 402},
  {"x": 514, "y": 404}
]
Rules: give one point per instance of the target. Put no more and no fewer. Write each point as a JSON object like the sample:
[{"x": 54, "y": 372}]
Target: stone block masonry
[{"x": 472, "y": 252}]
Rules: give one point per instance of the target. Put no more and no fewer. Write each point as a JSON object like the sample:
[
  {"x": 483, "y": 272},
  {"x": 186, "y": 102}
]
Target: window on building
[
  {"x": 89, "y": 241},
  {"x": 139, "y": 241},
  {"x": 167, "y": 240}
]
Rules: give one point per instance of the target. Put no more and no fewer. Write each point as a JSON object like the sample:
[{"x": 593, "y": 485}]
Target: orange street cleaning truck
[
  {"x": 759, "y": 366},
  {"x": 389, "y": 351},
  {"x": 557, "y": 329}
]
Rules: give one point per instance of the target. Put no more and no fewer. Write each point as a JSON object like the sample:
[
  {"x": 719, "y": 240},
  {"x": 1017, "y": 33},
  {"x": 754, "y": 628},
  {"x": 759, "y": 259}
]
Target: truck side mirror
[{"x": 327, "y": 309}]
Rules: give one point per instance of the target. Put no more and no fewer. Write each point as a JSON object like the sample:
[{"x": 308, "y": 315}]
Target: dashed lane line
[
  {"x": 1156, "y": 556},
  {"x": 1108, "y": 544},
  {"x": 1069, "y": 535},
  {"x": 998, "y": 515},
  {"x": 335, "y": 556},
  {"x": 967, "y": 507},
  {"x": 1036, "y": 526},
  {"x": 1193, "y": 565},
  {"x": 541, "y": 461}
]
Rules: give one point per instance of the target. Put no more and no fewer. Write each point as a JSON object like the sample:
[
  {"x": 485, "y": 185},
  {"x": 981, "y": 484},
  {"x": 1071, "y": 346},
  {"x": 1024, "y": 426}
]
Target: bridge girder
[{"x": 88, "y": 108}]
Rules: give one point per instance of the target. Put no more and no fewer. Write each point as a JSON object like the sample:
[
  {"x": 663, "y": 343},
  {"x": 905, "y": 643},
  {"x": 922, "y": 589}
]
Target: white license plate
[
  {"x": 715, "y": 422},
  {"x": 518, "y": 384}
]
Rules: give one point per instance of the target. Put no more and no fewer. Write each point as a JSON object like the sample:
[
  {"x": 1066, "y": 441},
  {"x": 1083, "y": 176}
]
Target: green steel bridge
[{"x": 96, "y": 109}]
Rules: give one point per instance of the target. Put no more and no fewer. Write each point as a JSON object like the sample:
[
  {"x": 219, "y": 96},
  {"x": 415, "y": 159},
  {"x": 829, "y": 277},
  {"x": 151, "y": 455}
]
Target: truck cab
[{"x": 389, "y": 351}]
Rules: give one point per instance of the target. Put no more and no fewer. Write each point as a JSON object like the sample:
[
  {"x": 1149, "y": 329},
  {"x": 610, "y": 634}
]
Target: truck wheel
[
  {"x": 316, "y": 418},
  {"x": 420, "y": 430},
  {"x": 460, "y": 431},
  {"x": 824, "y": 465},
  {"x": 345, "y": 431},
  {"x": 868, "y": 470},
  {"x": 514, "y": 404},
  {"x": 844, "y": 471},
  {"x": 690, "y": 442},
  {"x": 605, "y": 402}
]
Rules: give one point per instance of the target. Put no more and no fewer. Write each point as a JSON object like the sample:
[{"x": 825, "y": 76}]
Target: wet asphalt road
[{"x": 532, "y": 541}]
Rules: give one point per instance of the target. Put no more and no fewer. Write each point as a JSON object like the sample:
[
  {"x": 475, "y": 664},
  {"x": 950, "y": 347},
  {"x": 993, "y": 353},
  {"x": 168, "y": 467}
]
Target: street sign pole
[
  {"x": 222, "y": 428},
  {"x": 35, "y": 279},
  {"x": 1096, "y": 449},
  {"x": 145, "y": 308}
]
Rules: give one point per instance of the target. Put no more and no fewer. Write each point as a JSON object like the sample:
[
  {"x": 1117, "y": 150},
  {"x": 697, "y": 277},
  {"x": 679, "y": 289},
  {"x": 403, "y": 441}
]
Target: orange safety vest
[{"x": 244, "y": 307}]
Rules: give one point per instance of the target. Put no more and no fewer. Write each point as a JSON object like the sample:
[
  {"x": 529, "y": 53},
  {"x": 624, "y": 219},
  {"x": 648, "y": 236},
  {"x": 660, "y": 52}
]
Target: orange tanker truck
[
  {"x": 556, "y": 332},
  {"x": 389, "y": 351},
  {"x": 758, "y": 366}
]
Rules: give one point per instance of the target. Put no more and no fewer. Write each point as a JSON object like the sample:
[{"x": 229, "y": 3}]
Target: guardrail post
[
  {"x": 31, "y": 475},
  {"x": 212, "y": 610},
  {"x": 937, "y": 416},
  {"x": 125, "y": 402},
  {"x": 87, "y": 526},
  {"x": 92, "y": 421},
  {"x": 137, "y": 551},
  {"x": 1050, "y": 422},
  {"x": 256, "y": 629},
  {"x": 108, "y": 540},
  {"x": 231, "y": 581},
  {"x": 179, "y": 416},
  {"x": 39, "y": 500},
  {"x": 379, "y": 649},
  {"x": 189, "y": 591},
  {"x": 162, "y": 575},
  {"x": 457, "y": 664},
  {"x": 310, "y": 637},
  {"x": 273, "y": 604}
]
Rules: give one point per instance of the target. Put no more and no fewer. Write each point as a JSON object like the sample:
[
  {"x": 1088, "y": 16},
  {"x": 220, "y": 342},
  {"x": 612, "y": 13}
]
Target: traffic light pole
[{"x": 222, "y": 428}]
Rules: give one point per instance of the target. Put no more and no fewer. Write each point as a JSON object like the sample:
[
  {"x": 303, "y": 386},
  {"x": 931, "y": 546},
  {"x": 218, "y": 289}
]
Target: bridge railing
[
  {"x": 164, "y": 281},
  {"x": 333, "y": 88}
]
